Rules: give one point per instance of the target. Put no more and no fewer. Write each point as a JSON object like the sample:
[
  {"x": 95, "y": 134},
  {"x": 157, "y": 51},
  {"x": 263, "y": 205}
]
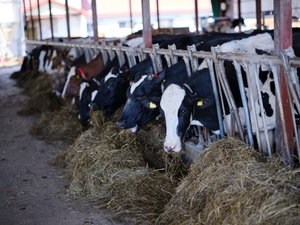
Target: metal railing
[{"x": 250, "y": 123}]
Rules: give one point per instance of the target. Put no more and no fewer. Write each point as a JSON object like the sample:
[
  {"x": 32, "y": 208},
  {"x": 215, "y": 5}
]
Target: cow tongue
[{"x": 133, "y": 129}]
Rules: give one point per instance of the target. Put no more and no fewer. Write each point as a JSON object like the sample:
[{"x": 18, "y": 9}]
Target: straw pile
[
  {"x": 61, "y": 125},
  {"x": 233, "y": 184},
  {"x": 110, "y": 167},
  {"x": 44, "y": 101}
]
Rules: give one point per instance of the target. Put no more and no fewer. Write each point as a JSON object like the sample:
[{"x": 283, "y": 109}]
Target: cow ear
[
  {"x": 157, "y": 78},
  {"x": 149, "y": 70},
  {"x": 151, "y": 103},
  {"x": 114, "y": 70},
  {"x": 202, "y": 102}
]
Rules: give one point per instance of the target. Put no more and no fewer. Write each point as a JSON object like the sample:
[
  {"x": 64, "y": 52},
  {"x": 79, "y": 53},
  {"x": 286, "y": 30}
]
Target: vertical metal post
[
  {"x": 68, "y": 19},
  {"x": 196, "y": 17},
  {"x": 39, "y": 18},
  {"x": 147, "y": 30},
  {"x": 157, "y": 13},
  {"x": 50, "y": 17},
  {"x": 31, "y": 19},
  {"x": 95, "y": 20},
  {"x": 283, "y": 40},
  {"x": 25, "y": 22},
  {"x": 239, "y": 13},
  {"x": 258, "y": 14},
  {"x": 130, "y": 15}
]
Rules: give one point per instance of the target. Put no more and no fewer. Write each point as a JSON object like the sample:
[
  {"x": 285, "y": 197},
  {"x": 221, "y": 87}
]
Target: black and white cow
[
  {"x": 193, "y": 102},
  {"x": 89, "y": 88},
  {"x": 111, "y": 95},
  {"x": 144, "y": 94}
]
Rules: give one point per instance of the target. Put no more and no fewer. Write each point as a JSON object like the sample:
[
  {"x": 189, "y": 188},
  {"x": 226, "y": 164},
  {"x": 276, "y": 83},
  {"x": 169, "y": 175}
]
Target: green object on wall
[{"x": 215, "y": 8}]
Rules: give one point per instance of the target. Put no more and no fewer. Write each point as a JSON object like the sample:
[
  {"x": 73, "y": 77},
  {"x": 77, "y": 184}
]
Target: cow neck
[{"x": 82, "y": 73}]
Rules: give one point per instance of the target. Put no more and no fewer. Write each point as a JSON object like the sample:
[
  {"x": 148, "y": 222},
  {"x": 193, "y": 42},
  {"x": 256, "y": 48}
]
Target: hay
[
  {"x": 230, "y": 183},
  {"x": 17, "y": 74},
  {"x": 41, "y": 83},
  {"x": 110, "y": 167},
  {"x": 44, "y": 101},
  {"x": 137, "y": 194},
  {"x": 58, "y": 125},
  {"x": 26, "y": 78}
]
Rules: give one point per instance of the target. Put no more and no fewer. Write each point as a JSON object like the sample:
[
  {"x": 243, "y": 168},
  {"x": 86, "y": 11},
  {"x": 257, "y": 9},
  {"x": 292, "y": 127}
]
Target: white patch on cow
[
  {"x": 82, "y": 87},
  {"x": 270, "y": 121},
  {"x": 248, "y": 45},
  {"x": 170, "y": 103},
  {"x": 108, "y": 76},
  {"x": 136, "y": 84},
  {"x": 48, "y": 68},
  {"x": 41, "y": 61},
  {"x": 135, "y": 42},
  {"x": 203, "y": 65},
  {"x": 70, "y": 74},
  {"x": 94, "y": 93}
]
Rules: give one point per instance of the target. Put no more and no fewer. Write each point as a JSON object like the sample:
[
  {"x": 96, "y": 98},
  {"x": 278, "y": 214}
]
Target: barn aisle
[{"x": 32, "y": 192}]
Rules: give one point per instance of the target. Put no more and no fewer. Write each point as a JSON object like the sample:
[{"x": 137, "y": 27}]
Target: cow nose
[
  {"x": 93, "y": 106},
  {"x": 169, "y": 148},
  {"x": 121, "y": 124}
]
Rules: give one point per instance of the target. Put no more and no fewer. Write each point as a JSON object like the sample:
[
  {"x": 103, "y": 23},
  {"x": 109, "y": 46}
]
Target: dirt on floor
[{"x": 32, "y": 192}]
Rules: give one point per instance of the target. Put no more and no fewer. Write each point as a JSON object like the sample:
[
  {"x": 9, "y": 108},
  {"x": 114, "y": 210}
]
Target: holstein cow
[
  {"x": 141, "y": 88},
  {"x": 193, "y": 102},
  {"x": 89, "y": 88},
  {"x": 112, "y": 93},
  {"x": 85, "y": 71},
  {"x": 144, "y": 93}
]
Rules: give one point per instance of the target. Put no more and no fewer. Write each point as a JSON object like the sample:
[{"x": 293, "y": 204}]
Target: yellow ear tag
[
  {"x": 77, "y": 76},
  {"x": 164, "y": 81},
  {"x": 152, "y": 105},
  {"x": 200, "y": 103}
]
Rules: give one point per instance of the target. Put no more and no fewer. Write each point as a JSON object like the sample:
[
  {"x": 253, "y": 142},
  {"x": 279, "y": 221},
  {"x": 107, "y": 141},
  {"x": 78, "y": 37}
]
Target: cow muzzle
[
  {"x": 171, "y": 148},
  {"x": 93, "y": 106}
]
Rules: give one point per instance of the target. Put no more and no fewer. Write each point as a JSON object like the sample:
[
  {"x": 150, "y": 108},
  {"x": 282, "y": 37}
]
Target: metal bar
[
  {"x": 147, "y": 30},
  {"x": 196, "y": 18},
  {"x": 95, "y": 20},
  {"x": 51, "y": 19},
  {"x": 25, "y": 22},
  {"x": 216, "y": 95},
  {"x": 39, "y": 18},
  {"x": 239, "y": 13},
  {"x": 258, "y": 14},
  {"x": 31, "y": 19},
  {"x": 68, "y": 19},
  {"x": 283, "y": 40},
  {"x": 130, "y": 16},
  {"x": 157, "y": 15},
  {"x": 244, "y": 101}
]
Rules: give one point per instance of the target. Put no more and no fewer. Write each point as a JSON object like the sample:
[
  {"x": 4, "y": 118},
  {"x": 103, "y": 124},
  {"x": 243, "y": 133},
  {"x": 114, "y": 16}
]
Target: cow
[
  {"x": 135, "y": 105},
  {"x": 111, "y": 95},
  {"x": 143, "y": 95},
  {"x": 192, "y": 103},
  {"x": 80, "y": 70},
  {"x": 89, "y": 88}
]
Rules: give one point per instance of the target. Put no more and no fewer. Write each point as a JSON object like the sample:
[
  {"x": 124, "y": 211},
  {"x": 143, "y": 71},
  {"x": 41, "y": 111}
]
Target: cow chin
[{"x": 134, "y": 129}]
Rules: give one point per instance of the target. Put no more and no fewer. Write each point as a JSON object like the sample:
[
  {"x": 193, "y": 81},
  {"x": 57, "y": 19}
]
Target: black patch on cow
[{"x": 266, "y": 104}]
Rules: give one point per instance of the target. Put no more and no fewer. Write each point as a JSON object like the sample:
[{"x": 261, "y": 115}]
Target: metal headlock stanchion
[{"x": 214, "y": 61}]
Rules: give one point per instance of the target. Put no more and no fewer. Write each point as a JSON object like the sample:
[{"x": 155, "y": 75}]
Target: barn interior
[{"x": 234, "y": 177}]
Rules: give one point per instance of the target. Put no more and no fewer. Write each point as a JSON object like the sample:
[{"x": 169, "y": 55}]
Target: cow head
[
  {"x": 178, "y": 104},
  {"x": 143, "y": 98},
  {"x": 72, "y": 85},
  {"x": 111, "y": 95}
]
